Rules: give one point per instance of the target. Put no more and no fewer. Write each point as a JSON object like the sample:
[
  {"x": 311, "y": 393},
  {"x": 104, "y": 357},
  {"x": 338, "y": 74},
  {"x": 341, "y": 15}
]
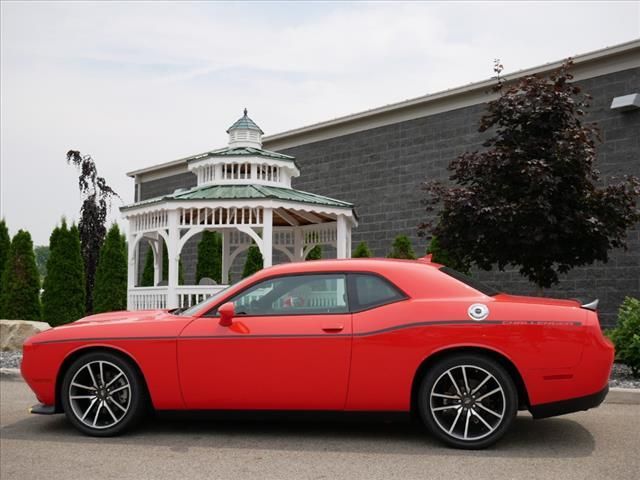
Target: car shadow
[{"x": 527, "y": 438}]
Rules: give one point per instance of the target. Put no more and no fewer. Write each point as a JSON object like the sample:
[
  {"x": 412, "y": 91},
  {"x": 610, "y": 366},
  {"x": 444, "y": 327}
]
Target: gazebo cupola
[
  {"x": 244, "y": 161},
  {"x": 245, "y": 133},
  {"x": 244, "y": 193}
]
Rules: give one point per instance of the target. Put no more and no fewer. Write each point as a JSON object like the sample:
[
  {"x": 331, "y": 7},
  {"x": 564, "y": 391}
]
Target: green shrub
[
  {"x": 626, "y": 335},
  {"x": 209, "y": 257},
  {"x": 315, "y": 253},
  {"x": 402, "y": 248},
  {"x": 20, "y": 294},
  {"x": 444, "y": 257},
  {"x": 63, "y": 299},
  {"x": 362, "y": 251},
  {"x": 110, "y": 291}
]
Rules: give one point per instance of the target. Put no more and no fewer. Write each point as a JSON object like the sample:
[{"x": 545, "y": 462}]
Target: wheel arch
[
  {"x": 503, "y": 360},
  {"x": 75, "y": 354}
]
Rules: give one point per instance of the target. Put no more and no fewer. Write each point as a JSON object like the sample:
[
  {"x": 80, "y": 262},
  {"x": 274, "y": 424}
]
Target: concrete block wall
[{"x": 381, "y": 171}]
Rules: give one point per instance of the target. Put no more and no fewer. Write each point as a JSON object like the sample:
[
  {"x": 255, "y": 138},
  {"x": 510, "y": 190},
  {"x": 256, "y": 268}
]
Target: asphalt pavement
[{"x": 603, "y": 443}]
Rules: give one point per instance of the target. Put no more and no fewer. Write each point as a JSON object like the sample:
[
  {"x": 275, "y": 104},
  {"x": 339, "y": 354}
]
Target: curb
[
  {"x": 625, "y": 396},
  {"x": 10, "y": 374}
]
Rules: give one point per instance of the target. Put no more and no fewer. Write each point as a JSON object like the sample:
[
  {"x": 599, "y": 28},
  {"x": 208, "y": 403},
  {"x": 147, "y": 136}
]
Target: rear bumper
[{"x": 571, "y": 405}]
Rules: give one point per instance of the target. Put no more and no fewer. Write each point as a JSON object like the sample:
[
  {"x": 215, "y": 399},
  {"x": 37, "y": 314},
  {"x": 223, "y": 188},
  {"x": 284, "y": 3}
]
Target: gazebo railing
[
  {"x": 154, "y": 298},
  {"x": 189, "y": 295}
]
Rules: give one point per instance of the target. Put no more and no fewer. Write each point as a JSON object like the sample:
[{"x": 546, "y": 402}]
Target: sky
[{"x": 134, "y": 84}]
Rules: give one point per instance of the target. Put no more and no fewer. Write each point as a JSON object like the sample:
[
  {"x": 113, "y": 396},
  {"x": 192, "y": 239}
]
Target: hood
[{"x": 124, "y": 316}]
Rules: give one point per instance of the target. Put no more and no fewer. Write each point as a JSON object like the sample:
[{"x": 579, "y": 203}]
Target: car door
[{"x": 288, "y": 348}]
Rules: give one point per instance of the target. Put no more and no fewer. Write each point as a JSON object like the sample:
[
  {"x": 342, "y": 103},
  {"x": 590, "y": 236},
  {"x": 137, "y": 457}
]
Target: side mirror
[{"x": 226, "y": 312}]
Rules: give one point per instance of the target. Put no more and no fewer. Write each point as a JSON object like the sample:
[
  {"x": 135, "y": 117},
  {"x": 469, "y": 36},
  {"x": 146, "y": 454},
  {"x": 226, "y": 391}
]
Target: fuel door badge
[{"x": 478, "y": 312}]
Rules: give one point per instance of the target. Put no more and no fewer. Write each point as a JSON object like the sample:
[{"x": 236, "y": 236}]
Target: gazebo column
[
  {"x": 174, "y": 259},
  {"x": 158, "y": 249},
  {"x": 132, "y": 270},
  {"x": 341, "y": 237},
  {"x": 298, "y": 244},
  {"x": 226, "y": 257},
  {"x": 267, "y": 237}
]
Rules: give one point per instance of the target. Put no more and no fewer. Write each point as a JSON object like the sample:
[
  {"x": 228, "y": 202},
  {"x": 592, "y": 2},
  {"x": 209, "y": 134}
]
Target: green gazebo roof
[
  {"x": 244, "y": 192},
  {"x": 241, "y": 152}
]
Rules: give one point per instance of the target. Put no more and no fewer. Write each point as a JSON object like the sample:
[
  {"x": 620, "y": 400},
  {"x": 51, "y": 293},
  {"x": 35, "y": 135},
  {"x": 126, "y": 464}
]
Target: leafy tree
[
  {"x": 315, "y": 253},
  {"x": 254, "y": 262},
  {"x": 63, "y": 299},
  {"x": 362, "y": 251},
  {"x": 444, "y": 257},
  {"x": 531, "y": 198},
  {"x": 148, "y": 272},
  {"x": 5, "y": 247},
  {"x": 20, "y": 292},
  {"x": 42, "y": 255},
  {"x": 110, "y": 292},
  {"x": 93, "y": 215},
  {"x": 626, "y": 336},
  {"x": 209, "y": 257},
  {"x": 402, "y": 248}
]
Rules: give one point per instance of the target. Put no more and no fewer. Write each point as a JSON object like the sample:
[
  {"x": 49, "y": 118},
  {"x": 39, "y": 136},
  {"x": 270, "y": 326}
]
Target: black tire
[
  {"x": 456, "y": 420},
  {"x": 133, "y": 398}
]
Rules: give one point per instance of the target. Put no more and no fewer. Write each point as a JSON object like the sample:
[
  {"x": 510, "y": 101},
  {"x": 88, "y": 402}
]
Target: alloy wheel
[
  {"x": 467, "y": 402},
  {"x": 100, "y": 394}
]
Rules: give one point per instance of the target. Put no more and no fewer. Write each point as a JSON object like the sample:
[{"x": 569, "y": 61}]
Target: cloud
[{"x": 135, "y": 84}]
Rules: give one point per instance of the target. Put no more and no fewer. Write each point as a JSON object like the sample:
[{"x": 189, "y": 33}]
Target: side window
[
  {"x": 372, "y": 291},
  {"x": 295, "y": 295}
]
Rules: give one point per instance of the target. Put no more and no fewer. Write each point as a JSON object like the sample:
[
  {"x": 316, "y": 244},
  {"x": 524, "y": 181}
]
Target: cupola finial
[{"x": 245, "y": 111}]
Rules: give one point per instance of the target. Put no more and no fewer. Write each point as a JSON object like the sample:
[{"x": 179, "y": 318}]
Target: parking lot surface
[{"x": 603, "y": 443}]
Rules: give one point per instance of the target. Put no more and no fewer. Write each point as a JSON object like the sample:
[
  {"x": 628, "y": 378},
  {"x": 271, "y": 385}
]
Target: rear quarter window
[{"x": 371, "y": 291}]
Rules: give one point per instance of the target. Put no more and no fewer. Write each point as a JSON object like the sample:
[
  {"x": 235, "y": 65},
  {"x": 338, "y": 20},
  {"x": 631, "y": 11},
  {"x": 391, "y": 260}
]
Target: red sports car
[{"x": 337, "y": 335}]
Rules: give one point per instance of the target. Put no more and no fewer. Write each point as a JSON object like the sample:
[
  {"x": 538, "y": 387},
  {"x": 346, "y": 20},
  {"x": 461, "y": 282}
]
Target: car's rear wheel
[
  {"x": 467, "y": 401},
  {"x": 102, "y": 394}
]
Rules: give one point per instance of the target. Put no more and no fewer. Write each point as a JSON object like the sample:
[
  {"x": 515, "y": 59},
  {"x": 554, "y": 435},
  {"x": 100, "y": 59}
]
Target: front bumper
[
  {"x": 552, "y": 409},
  {"x": 42, "y": 409}
]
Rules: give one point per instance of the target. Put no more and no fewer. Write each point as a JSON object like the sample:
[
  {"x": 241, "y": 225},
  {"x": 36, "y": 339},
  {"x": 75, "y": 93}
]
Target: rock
[{"x": 13, "y": 333}]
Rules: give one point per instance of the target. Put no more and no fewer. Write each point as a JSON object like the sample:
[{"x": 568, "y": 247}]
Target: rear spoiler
[{"x": 591, "y": 305}]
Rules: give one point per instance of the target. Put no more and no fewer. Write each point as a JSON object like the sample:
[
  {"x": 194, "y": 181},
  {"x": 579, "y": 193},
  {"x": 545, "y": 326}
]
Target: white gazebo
[{"x": 244, "y": 193}]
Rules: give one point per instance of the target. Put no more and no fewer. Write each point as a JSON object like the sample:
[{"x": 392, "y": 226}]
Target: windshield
[
  {"x": 198, "y": 306},
  {"x": 472, "y": 282}
]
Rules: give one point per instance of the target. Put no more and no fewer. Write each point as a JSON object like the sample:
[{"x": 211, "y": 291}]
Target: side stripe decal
[{"x": 325, "y": 335}]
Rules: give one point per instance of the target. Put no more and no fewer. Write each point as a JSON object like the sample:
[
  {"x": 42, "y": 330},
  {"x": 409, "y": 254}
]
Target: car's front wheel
[
  {"x": 467, "y": 401},
  {"x": 102, "y": 394}
]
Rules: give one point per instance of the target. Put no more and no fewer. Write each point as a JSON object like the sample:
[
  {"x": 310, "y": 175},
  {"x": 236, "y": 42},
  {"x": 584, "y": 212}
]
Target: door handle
[{"x": 337, "y": 327}]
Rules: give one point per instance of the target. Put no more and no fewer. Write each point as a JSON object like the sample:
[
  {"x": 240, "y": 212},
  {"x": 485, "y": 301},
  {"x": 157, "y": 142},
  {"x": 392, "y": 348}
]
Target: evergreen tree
[
  {"x": 362, "y": 251},
  {"x": 63, "y": 299},
  {"x": 402, "y": 248},
  {"x": 148, "y": 272},
  {"x": 209, "y": 257},
  {"x": 315, "y": 253},
  {"x": 20, "y": 293},
  {"x": 5, "y": 247},
  {"x": 254, "y": 262},
  {"x": 110, "y": 293}
]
